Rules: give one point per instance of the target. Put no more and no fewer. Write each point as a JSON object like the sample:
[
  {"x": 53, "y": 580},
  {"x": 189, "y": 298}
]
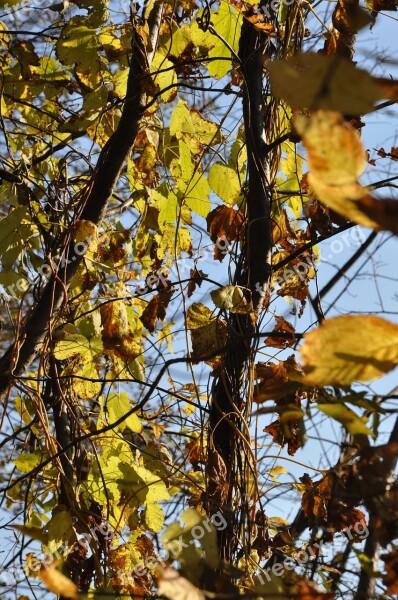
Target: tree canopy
[{"x": 185, "y": 413}]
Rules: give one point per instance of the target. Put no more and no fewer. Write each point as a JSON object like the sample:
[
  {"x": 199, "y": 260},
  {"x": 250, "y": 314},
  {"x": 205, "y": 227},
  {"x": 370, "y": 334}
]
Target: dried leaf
[
  {"x": 349, "y": 17},
  {"x": 196, "y": 279},
  {"x": 224, "y": 224},
  {"x": 286, "y": 337},
  {"x": 276, "y": 380},
  {"x": 156, "y": 308}
]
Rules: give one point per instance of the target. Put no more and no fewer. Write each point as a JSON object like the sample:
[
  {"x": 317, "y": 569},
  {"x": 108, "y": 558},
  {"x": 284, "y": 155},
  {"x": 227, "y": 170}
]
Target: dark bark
[{"x": 228, "y": 400}]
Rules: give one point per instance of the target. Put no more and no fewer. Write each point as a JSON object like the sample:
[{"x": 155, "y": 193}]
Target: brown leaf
[
  {"x": 286, "y": 337},
  {"x": 156, "y": 308},
  {"x": 309, "y": 590},
  {"x": 217, "y": 478},
  {"x": 327, "y": 503},
  {"x": 196, "y": 279},
  {"x": 391, "y": 577},
  {"x": 223, "y": 223},
  {"x": 276, "y": 380},
  {"x": 381, "y": 5},
  {"x": 349, "y": 17},
  {"x": 259, "y": 21},
  {"x": 195, "y": 454},
  {"x": 285, "y": 433}
]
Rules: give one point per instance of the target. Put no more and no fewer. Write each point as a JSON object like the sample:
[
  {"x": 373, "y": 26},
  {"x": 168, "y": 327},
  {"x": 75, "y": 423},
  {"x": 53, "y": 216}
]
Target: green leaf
[
  {"x": 224, "y": 181},
  {"x": 165, "y": 78},
  {"x": 78, "y": 45},
  {"x": 76, "y": 344},
  {"x": 59, "y": 529},
  {"x": 13, "y": 235},
  {"x": 26, "y": 462},
  {"x": 35, "y": 533},
  {"x": 117, "y": 405},
  {"x": 227, "y": 22},
  {"x": 154, "y": 517}
]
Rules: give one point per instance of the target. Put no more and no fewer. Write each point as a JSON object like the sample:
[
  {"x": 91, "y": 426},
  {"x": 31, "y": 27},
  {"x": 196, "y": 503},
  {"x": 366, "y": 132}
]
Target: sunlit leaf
[
  {"x": 350, "y": 348},
  {"x": 225, "y": 183}
]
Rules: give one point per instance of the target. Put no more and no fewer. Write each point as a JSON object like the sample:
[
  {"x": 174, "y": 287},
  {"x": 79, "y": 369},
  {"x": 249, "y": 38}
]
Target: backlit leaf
[
  {"x": 350, "y": 348},
  {"x": 227, "y": 21},
  {"x": 232, "y": 298},
  {"x": 224, "y": 181},
  {"x": 317, "y": 81}
]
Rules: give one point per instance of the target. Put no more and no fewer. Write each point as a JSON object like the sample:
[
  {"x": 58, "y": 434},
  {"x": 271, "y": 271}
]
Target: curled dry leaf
[
  {"x": 326, "y": 504},
  {"x": 196, "y": 279},
  {"x": 277, "y": 380},
  {"x": 156, "y": 308},
  {"x": 282, "y": 335},
  {"x": 224, "y": 224},
  {"x": 350, "y": 348},
  {"x": 349, "y": 17}
]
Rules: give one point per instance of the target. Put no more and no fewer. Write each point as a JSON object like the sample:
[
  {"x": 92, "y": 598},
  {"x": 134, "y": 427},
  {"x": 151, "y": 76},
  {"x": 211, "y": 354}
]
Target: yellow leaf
[
  {"x": 164, "y": 76},
  {"x": 315, "y": 81},
  {"x": 348, "y": 418},
  {"x": 350, "y": 348},
  {"x": 232, "y": 298},
  {"x": 336, "y": 159},
  {"x": 227, "y": 21},
  {"x": 57, "y": 582},
  {"x": 278, "y": 470},
  {"x": 189, "y": 125},
  {"x": 335, "y": 151}
]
